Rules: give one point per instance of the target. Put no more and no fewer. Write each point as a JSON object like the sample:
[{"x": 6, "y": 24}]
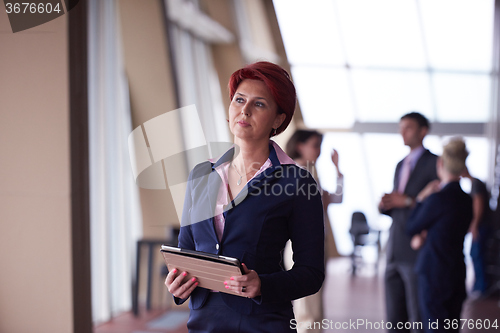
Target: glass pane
[
  {"x": 478, "y": 160},
  {"x": 462, "y": 98},
  {"x": 324, "y": 97},
  {"x": 434, "y": 143},
  {"x": 381, "y": 33},
  {"x": 388, "y": 148},
  {"x": 356, "y": 197},
  {"x": 458, "y": 33},
  {"x": 309, "y": 31},
  {"x": 385, "y": 96}
]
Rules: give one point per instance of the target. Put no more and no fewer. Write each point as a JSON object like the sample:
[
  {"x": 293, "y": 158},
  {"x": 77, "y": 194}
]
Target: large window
[
  {"x": 359, "y": 65},
  {"x": 377, "y": 59}
]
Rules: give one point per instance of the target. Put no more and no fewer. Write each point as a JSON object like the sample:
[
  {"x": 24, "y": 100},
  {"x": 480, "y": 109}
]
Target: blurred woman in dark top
[
  {"x": 445, "y": 215},
  {"x": 304, "y": 147},
  {"x": 479, "y": 228}
]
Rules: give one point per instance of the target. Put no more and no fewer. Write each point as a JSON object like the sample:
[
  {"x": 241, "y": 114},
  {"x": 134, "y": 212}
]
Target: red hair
[{"x": 277, "y": 81}]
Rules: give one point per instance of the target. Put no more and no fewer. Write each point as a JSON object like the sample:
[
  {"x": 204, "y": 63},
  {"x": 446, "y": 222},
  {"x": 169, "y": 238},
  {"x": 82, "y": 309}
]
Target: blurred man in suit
[{"x": 412, "y": 174}]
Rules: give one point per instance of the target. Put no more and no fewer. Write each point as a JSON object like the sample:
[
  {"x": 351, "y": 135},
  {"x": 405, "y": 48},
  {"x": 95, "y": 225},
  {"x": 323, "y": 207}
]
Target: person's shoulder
[
  {"x": 465, "y": 202},
  {"x": 428, "y": 162},
  {"x": 478, "y": 186},
  {"x": 297, "y": 181},
  {"x": 429, "y": 155},
  {"x": 295, "y": 175},
  {"x": 293, "y": 171},
  {"x": 201, "y": 169},
  {"x": 438, "y": 201},
  {"x": 453, "y": 190}
]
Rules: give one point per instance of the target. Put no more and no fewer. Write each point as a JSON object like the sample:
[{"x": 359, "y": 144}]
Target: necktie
[{"x": 404, "y": 175}]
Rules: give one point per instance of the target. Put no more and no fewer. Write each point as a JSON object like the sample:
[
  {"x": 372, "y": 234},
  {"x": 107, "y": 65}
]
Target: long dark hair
[{"x": 300, "y": 136}]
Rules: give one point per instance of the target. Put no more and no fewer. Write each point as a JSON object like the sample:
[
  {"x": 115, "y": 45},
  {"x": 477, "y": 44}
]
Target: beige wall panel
[
  {"x": 35, "y": 274},
  {"x": 34, "y": 110},
  {"x": 259, "y": 25},
  {"x": 35, "y": 279},
  {"x": 146, "y": 59},
  {"x": 227, "y": 57},
  {"x": 152, "y": 93},
  {"x": 160, "y": 212}
]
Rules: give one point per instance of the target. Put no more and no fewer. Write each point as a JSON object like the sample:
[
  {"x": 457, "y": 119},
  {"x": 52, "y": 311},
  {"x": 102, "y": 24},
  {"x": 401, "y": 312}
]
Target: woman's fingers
[
  {"x": 193, "y": 284},
  {"x": 245, "y": 268},
  {"x": 248, "y": 289},
  {"x": 175, "y": 287},
  {"x": 179, "y": 286},
  {"x": 246, "y": 285},
  {"x": 170, "y": 277},
  {"x": 237, "y": 286}
]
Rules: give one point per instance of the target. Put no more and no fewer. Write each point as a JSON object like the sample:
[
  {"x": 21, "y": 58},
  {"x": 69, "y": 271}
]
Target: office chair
[{"x": 362, "y": 235}]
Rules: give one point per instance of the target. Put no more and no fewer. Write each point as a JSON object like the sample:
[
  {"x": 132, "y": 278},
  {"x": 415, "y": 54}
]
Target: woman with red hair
[{"x": 258, "y": 199}]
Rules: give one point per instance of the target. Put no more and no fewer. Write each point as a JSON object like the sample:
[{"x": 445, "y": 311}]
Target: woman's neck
[
  {"x": 448, "y": 178},
  {"x": 251, "y": 155}
]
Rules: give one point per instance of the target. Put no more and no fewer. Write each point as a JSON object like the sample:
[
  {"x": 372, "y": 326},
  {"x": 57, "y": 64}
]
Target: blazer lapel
[
  {"x": 396, "y": 176},
  {"x": 258, "y": 182},
  {"x": 262, "y": 178},
  {"x": 214, "y": 179},
  {"x": 418, "y": 165},
  {"x": 213, "y": 184}
]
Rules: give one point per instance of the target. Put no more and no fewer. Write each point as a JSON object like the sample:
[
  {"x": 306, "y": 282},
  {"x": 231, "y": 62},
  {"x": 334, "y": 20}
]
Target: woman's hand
[
  {"x": 418, "y": 240},
  {"x": 247, "y": 285},
  {"x": 429, "y": 189},
  {"x": 177, "y": 286},
  {"x": 335, "y": 160}
]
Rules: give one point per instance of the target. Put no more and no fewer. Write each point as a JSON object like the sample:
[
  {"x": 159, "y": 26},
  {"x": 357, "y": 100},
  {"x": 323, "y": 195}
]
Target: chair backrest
[{"x": 359, "y": 225}]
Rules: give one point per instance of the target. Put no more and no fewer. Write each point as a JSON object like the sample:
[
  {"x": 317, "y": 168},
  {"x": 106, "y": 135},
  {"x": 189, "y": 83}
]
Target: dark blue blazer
[
  {"x": 446, "y": 216},
  {"x": 281, "y": 203}
]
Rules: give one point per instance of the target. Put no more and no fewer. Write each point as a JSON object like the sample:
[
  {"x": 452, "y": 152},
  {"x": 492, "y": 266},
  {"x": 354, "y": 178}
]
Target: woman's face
[
  {"x": 310, "y": 149},
  {"x": 253, "y": 112},
  {"x": 411, "y": 132}
]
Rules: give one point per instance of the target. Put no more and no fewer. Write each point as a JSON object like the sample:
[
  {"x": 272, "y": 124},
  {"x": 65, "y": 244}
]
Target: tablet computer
[{"x": 210, "y": 270}]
